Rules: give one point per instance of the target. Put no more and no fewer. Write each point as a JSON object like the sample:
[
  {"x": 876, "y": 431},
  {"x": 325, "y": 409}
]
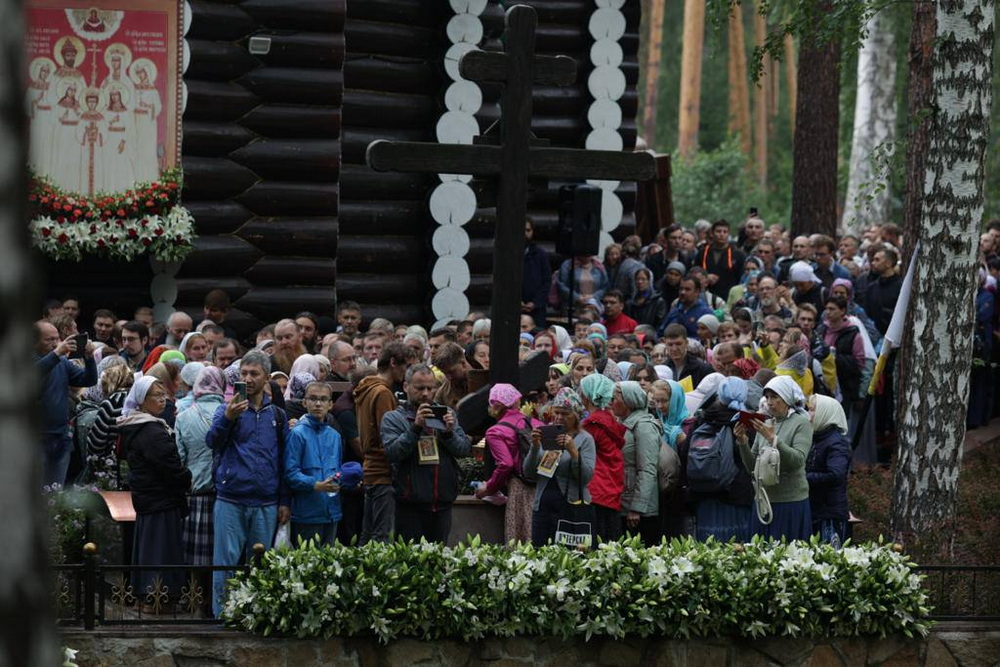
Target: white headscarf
[
  {"x": 802, "y": 272},
  {"x": 182, "y": 348},
  {"x": 708, "y": 385},
  {"x": 663, "y": 372},
  {"x": 789, "y": 391},
  {"x": 137, "y": 395},
  {"x": 828, "y": 412},
  {"x": 563, "y": 339}
]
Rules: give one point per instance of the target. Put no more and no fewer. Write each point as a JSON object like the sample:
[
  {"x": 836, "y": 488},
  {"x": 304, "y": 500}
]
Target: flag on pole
[{"x": 894, "y": 334}]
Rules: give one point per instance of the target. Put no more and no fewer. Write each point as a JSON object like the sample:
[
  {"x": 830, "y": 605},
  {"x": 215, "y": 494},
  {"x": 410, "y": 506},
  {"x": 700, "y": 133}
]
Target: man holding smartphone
[
  {"x": 58, "y": 374},
  {"x": 422, "y": 441},
  {"x": 248, "y": 436}
]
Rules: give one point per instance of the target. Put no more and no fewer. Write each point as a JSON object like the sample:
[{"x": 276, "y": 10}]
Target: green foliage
[
  {"x": 66, "y": 523},
  {"x": 680, "y": 589},
  {"x": 714, "y": 184}
]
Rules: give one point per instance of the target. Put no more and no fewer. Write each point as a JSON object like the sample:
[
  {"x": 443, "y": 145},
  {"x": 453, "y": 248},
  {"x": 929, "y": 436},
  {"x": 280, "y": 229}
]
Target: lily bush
[{"x": 681, "y": 589}]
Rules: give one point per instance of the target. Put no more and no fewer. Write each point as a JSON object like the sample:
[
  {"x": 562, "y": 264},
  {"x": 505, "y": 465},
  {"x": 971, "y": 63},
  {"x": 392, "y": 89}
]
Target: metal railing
[
  {"x": 92, "y": 594},
  {"x": 962, "y": 592}
]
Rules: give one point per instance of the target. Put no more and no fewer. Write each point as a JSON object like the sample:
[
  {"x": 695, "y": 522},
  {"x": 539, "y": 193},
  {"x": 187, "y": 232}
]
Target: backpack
[
  {"x": 710, "y": 465},
  {"x": 83, "y": 421},
  {"x": 668, "y": 468},
  {"x": 524, "y": 442}
]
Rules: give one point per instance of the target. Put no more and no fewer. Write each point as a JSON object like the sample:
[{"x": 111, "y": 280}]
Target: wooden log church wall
[{"x": 289, "y": 216}]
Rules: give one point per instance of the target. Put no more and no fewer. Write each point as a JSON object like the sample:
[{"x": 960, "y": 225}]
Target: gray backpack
[{"x": 711, "y": 467}]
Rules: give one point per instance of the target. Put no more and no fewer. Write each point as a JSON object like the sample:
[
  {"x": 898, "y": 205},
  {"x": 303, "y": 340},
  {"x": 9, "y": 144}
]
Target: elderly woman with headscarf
[
  {"x": 561, "y": 475},
  {"x": 167, "y": 374},
  {"x": 826, "y": 470},
  {"x": 723, "y": 513},
  {"x": 116, "y": 380},
  {"x": 668, "y": 403},
  {"x": 159, "y": 482},
  {"x": 508, "y": 471},
  {"x": 640, "y": 500},
  {"x": 188, "y": 376},
  {"x": 192, "y": 426},
  {"x": 646, "y": 305},
  {"x": 305, "y": 363},
  {"x": 705, "y": 389},
  {"x": 606, "y": 487},
  {"x": 790, "y": 432}
]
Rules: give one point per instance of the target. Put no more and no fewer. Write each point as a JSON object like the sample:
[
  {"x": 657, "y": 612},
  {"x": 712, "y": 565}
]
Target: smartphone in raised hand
[{"x": 240, "y": 389}]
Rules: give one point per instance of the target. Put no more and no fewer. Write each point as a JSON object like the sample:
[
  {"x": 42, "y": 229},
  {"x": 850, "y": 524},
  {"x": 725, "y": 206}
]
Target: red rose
[
  {"x": 93, "y": 229},
  {"x": 62, "y": 238},
  {"x": 120, "y": 213},
  {"x": 46, "y": 232},
  {"x": 61, "y": 219},
  {"x": 100, "y": 243},
  {"x": 146, "y": 242},
  {"x": 158, "y": 231},
  {"x": 144, "y": 222},
  {"x": 77, "y": 212},
  {"x": 132, "y": 234},
  {"x": 67, "y": 207},
  {"x": 150, "y": 203},
  {"x": 32, "y": 197}
]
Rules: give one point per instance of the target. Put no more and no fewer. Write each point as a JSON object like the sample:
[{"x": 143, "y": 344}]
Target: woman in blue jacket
[
  {"x": 826, "y": 469},
  {"x": 312, "y": 470}
]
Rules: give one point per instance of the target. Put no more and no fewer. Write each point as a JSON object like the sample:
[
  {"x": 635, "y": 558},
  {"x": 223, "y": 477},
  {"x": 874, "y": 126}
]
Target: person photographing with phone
[
  {"x": 423, "y": 441},
  {"x": 58, "y": 374},
  {"x": 248, "y": 436},
  {"x": 569, "y": 463}
]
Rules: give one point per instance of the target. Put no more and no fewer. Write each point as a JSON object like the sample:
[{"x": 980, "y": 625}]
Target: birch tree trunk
[
  {"x": 761, "y": 94},
  {"x": 814, "y": 161},
  {"x": 27, "y": 635},
  {"x": 654, "y": 53},
  {"x": 941, "y": 317},
  {"x": 869, "y": 198},
  {"x": 690, "y": 111},
  {"x": 739, "y": 81}
]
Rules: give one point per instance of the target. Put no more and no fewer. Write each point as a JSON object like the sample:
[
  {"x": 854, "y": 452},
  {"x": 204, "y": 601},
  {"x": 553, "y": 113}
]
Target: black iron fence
[
  {"x": 962, "y": 592},
  {"x": 94, "y": 594}
]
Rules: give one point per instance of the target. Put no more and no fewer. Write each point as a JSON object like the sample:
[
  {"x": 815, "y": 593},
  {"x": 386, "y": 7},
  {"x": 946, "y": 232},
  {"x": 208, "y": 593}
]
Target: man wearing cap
[
  {"x": 423, "y": 447},
  {"x": 688, "y": 309}
]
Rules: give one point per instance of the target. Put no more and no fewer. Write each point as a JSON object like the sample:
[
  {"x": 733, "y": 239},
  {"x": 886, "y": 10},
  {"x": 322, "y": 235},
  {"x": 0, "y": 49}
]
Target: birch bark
[
  {"x": 869, "y": 198},
  {"x": 940, "y": 321}
]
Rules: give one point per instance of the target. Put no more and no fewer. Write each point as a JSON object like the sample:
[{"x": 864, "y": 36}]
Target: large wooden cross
[{"x": 511, "y": 158}]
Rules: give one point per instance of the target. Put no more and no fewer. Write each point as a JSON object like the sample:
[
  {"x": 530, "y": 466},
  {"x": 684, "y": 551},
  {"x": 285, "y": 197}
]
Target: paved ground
[{"x": 984, "y": 435}]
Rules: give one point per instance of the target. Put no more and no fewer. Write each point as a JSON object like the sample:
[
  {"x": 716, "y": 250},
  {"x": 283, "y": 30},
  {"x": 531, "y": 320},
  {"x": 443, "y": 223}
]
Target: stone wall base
[{"x": 163, "y": 646}]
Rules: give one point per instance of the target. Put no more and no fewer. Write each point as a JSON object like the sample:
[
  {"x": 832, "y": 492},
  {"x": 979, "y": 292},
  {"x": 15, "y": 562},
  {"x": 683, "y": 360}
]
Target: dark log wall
[
  {"x": 394, "y": 87},
  {"x": 262, "y": 155}
]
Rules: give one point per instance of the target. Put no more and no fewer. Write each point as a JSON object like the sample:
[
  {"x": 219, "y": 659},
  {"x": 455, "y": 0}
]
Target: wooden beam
[
  {"x": 416, "y": 157},
  {"x": 571, "y": 163},
  {"x": 492, "y": 66}
]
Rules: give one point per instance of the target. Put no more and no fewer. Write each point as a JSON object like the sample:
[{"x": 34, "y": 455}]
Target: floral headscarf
[
  {"x": 296, "y": 389},
  {"x": 210, "y": 380},
  {"x": 567, "y": 399}
]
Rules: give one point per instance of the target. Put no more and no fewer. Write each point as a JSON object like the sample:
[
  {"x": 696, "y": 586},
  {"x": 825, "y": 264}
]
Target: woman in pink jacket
[{"x": 503, "y": 441}]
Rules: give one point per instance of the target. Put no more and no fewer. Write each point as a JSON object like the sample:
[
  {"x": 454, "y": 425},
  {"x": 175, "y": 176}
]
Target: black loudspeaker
[{"x": 579, "y": 220}]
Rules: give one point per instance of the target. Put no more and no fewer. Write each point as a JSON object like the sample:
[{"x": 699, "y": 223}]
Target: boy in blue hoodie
[{"x": 312, "y": 470}]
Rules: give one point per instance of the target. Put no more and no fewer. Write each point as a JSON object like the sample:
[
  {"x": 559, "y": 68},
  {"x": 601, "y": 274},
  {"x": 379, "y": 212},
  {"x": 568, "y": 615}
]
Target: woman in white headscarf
[
  {"x": 708, "y": 385},
  {"x": 790, "y": 432},
  {"x": 826, "y": 470},
  {"x": 159, "y": 482}
]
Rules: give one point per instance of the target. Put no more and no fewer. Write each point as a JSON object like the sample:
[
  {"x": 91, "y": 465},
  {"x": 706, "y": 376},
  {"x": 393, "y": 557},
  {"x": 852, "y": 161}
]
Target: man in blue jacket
[
  {"x": 688, "y": 309},
  {"x": 58, "y": 374},
  {"x": 423, "y": 449},
  {"x": 248, "y": 438},
  {"x": 312, "y": 470}
]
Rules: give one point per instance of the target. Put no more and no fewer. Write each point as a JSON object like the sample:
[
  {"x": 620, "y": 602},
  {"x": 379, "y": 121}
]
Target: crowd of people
[{"x": 708, "y": 383}]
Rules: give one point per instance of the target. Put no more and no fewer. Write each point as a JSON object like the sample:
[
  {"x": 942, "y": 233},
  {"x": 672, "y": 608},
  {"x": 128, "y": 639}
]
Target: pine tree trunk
[
  {"x": 654, "y": 53},
  {"x": 739, "y": 91},
  {"x": 919, "y": 95},
  {"x": 869, "y": 198},
  {"x": 761, "y": 94},
  {"x": 814, "y": 166},
  {"x": 941, "y": 318},
  {"x": 790, "y": 79},
  {"x": 27, "y": 634},
  {"x": 690, "y": 110}
]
